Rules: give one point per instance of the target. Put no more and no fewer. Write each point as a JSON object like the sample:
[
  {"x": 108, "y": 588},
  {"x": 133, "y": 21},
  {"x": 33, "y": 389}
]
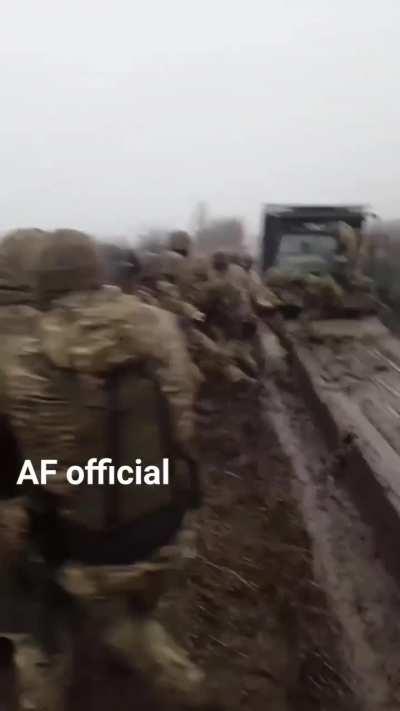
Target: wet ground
[
  {"x": 347, "y": 556},
  {"x": 253, "y": 612},
  {"x": 287, "y": 606}
]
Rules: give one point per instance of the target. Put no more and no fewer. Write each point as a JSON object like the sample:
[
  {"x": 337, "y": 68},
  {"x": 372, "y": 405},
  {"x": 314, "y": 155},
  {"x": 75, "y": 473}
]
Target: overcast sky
[{"x": 122, "y": 114}]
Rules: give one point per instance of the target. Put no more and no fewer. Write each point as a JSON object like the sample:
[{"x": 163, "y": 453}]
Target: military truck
[
  {"x": 312, "y": 255},
  {"x": 347, "y": 366},
  {"x": 304, "y": 238}
]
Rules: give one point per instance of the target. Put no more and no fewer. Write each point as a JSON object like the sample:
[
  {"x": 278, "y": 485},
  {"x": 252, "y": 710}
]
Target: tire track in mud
[
  {"x": 245, "y": 610},
  {"x": 252, "y": 613},
  {"x": 364, "y": 599}
]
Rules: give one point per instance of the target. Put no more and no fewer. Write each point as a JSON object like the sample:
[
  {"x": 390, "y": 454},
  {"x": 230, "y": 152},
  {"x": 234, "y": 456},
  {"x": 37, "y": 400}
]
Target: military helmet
[
  {"x": 220, "y": 261},
  {"x": 69, "y": 262},
  {"x": 200, "y": 267},
  {"x": 150, "y": 266},
  {"x": 20, "y": 252},
  {"x": 179, "y": 241},
  {"x": 128, "y": 268},
  {"x": 171, "y": 265},
  {"x": 235, "y": 258},
  {"x": 246, "y": 261}
]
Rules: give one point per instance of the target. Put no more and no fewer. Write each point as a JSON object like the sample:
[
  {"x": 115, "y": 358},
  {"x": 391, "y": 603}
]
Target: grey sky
[{"x": 117, "y": 115}]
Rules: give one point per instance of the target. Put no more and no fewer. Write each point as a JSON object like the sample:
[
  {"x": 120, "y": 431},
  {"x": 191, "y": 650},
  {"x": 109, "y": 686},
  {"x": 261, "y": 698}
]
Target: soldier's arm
[
  {"x": 161, "y": 342},
  {"x": 174, "y": 368},
  {"x": 14, "y": 522},
  {"x": 155, "y": 336}
]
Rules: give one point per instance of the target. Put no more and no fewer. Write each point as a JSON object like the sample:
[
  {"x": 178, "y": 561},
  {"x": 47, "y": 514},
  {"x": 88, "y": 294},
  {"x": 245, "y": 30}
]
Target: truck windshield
[{"x": 307, "y": 245}]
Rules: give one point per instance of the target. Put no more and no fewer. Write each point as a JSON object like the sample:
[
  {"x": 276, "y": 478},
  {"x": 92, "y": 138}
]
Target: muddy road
[
  {"x": 287, "y": 606},
  {"x": 361, "y": 595},
  {"x": 290, "y": 606},
  {"x": 254, "y": 613}
]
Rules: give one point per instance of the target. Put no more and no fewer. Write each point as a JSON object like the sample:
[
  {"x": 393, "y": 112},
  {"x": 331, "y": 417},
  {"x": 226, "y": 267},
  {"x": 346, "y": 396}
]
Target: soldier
[
  {"x": 239, "y": 277},
  {"x": 348, "y": 242},
  {"x": 110, "y": 255},
  {"x": 321, "y": 295},
  {"x": 353, "y": 248},
  {"x": 165, "y": 281},
  {"x": 149, "y": 274},
  {"x": 20, "y": 251},
  {"x": 115, "y": 265},
  {"x": 126, "y": 269},
  {"x": 225, "y": 300},
  {"x": 215, "y": 360},
  {"x": 19, "y": 255},
  {"x": 169, "y": 293},
  {"x": 229, "y": 317},
  {"x": 263, "y": 300},
  {"x": 180, "y": 242},
  {"x": 104, "y": 375},
  {"x": 209, "y": 358},
  {"x": 194, "y": 282}
]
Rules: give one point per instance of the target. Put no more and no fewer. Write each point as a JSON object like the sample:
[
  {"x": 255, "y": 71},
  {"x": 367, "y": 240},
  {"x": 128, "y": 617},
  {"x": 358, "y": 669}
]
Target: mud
[
  {"x": 364, "y": 598},
  {"x": 338, "y": 383},
  {"x": 286, "y": 607},
  {"x": 253, "y": 613}
]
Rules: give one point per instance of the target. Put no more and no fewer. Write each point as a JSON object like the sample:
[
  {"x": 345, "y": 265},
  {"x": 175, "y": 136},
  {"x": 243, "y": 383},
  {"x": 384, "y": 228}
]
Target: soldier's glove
[
  {"x": 14, "y": 529},
  {"x": 198, "y": 316}
]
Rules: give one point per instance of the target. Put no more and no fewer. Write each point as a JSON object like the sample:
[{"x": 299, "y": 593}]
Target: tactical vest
[
  {"x": 11, "y": 460},
  {"x": 123, "y": 417}
]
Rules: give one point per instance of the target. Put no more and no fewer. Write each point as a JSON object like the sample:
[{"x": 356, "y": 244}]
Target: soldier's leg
[
  {"x": 212, "y": 358},
  {"x": 8, "y": 698},
  {"x": 44, "y": 662},
  {"x": 142, "y": 644},
  {"x": 42, "y": 680}
]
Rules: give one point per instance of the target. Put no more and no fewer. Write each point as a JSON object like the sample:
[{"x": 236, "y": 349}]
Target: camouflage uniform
[
  {"x": 321, "y": 295},
  {"x": 169, "y": 293},
  {"x": 121, "y": 266},
  {"x": 149, "y": 275},
  {"x": 172, "y": 283},
  {"x": 180, "y": 246},
  {"x": 349, "y": 242},
  {"x": 238, "y": 276},
  {"x": 355, "y": 247},
  {"x": 225, "y": 307},
  {"x": 263, "y": 299},
  {"x": 229, "y": 316},
  {"x": 194, "y": 281},
  {"x": 19, "y": 256},
  {"x": 161, "y": 290},
  {"x": 180, "y": 242},
  {"x": 214, "y": 359},
  {"x": 212, "y": 350},
  {"x": 84, "y": 332}
]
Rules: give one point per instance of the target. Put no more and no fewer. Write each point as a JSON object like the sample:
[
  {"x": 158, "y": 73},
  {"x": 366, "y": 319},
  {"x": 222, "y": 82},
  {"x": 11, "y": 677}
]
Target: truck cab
[{"x": 303, "y": 239}]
